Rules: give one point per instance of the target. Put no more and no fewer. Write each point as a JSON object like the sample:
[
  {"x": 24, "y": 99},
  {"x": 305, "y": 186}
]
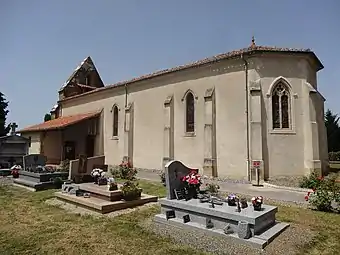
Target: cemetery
[
  {"x": 186, "y": 206},
  {"x": 35, "y": 174}
]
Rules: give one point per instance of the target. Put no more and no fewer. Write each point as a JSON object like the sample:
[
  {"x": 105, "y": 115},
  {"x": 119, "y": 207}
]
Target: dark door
[
  {"x": 70, "y": 150},
  {"x": 90, "y": 141}
]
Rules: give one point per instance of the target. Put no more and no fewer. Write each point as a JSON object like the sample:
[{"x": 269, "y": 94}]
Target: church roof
[
  {"x": 86, "y": 65},
  {"x": 59, "y": 123},
  {"x": 252, "y": 49}
]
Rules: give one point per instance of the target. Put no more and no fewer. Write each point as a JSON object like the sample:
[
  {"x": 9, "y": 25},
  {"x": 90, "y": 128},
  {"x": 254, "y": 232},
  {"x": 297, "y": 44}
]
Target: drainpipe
[
  {"x": 247, "y": 115},
  {"x": 126, "y": 95}
]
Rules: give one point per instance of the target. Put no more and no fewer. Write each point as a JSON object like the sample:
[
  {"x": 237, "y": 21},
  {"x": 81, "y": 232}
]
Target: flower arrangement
[
  {"x": 98, "y": 175},
  {"x": 15, "y": 173},
  {"x": 130, "y": 191},
  {"x": 16, "y": 167},
  {"x": 162, "y": 176},
  {"x": 257, "y": 202},
  {"x": 111, "y": 184},
  {"x": 192, "y": 180},
  {"x": 243, "y": 202},
  {"x": 232, "y": 199}
]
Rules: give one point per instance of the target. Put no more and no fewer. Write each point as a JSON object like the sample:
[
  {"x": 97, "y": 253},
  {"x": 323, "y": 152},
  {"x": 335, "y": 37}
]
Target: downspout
[
  {"x": 247, "y": 115},
  {"x": 126, "y": 95}
]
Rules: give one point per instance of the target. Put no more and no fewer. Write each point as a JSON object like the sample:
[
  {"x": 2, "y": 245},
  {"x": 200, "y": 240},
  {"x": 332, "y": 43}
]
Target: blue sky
[{"x": 43, "y": 41}]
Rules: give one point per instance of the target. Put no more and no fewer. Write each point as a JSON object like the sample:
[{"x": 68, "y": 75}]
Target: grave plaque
[
  {"x": 170, "y": 214},
  {"x": 186, "y": 218}
]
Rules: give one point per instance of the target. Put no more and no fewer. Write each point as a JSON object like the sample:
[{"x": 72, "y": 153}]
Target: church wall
[
  {"x": 286, "y": 150},
  {"x": 148, "y": 99},
  {"x": 35, "y": 142},
  {"x": 112, "y": 147}
]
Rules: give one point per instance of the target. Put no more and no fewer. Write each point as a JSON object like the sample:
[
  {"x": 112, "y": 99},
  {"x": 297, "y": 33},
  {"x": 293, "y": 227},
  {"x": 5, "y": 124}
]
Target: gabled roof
[
  {"x": 60, "y": 123},
  {"x": 253, "y": 49},
  {"x": 86, "y": 65}
]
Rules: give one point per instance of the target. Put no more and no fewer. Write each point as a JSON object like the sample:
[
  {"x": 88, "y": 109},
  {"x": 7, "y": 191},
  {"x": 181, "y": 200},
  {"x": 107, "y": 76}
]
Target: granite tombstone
[
  {"x": 174, "y": 171},
  {"x": 32, "y": 161}
]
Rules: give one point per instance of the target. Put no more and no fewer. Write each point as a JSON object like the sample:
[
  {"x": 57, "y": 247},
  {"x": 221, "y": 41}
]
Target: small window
[
  {"x": 115, "y": 121},
  {"x": 190, "y": 113},
  {"x": 281, "y": 107}
]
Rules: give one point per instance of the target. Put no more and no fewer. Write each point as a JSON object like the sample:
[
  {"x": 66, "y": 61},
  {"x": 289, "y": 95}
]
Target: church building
[{"x": 254, "y": 107}]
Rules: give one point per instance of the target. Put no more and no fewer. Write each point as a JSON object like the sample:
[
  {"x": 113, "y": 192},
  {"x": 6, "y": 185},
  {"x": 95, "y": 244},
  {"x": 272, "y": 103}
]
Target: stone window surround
[
  {"x": 292, "y": 128},
  {"x": 112, "y": 114},
  {"x": 189, "y": 134}
]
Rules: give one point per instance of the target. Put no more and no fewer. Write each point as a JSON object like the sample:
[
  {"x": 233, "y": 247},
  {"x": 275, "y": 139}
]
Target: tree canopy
[
  {"x": 333, "y": 131},
  {"x": 4, "y": 129},
  {"x": 47, "y": 117}
]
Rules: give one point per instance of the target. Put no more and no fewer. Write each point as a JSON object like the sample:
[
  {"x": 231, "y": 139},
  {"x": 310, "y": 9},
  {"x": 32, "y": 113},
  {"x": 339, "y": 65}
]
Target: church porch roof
[{"x": 60, "y": 123}]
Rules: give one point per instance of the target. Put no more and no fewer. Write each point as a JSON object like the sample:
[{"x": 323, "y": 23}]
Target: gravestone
[
  {"x": 82, "y": 167},
  {"x": 31, "y": 161},
  {"x": 174, "y": 171}
]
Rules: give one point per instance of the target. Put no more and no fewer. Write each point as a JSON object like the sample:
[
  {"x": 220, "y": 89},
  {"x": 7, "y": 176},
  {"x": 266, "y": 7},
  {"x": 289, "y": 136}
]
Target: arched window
[
  {"x": 281, "y": 106},
  {"x": 115, "y": 120},
  {"x": 190, "y": 113}
]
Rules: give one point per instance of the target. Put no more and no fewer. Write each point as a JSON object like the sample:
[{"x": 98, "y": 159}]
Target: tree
[
  {"x": 4, "y": 129},
  {"x": 47, "y": 117},
  {"x": 333, "y": 131}
]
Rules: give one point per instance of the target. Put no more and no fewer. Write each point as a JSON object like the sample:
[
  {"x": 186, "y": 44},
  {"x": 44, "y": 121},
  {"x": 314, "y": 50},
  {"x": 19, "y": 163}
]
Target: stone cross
[{"x": 13, "y": 127}]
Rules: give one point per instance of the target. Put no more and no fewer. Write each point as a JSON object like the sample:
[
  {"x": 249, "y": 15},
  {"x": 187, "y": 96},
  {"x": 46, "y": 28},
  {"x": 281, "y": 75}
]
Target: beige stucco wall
[
  {"x": 52, "y": 147},
  {"x": 35, "y": 142},
  {"x": 282, "y": 153}
]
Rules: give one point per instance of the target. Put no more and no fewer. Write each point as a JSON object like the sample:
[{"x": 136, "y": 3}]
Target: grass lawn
[{"x": 30, "y": 226}]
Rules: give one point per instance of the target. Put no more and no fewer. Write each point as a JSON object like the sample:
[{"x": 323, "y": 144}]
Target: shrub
[
  {"x": 212, "y": 188},
  {"x": 310, "y": 182},
  {"x": 334, "y": 156},
  {"x": 124, "y": 171},
  {"x": 64, "y": 166},
  {"x": 130, "y": 191},
  {"x": 162, "y": 176},
  {"x": 326, "y": 195}
]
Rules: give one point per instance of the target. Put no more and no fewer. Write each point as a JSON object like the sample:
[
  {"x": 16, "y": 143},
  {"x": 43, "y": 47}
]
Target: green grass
[{"x": 30, "y": 226}]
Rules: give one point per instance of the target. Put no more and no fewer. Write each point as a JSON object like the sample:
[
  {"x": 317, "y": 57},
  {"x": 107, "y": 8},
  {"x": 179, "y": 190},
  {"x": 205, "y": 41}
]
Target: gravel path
[
  {"x": 287, "y": 243},
  {"x": 241, "y": 188}
]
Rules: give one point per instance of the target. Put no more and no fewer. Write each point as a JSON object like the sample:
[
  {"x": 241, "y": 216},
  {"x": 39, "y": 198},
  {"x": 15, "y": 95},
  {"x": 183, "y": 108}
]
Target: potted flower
[
  {"x": 243, "y": 202},
  {"x": 162, "y": 176},
  {"x": 232, "y": 199},
  {"x": 111, "y": 184},
  {"x": 96, "y": 173},
  {"x": 15, "y": 173},
  {"x": 192, "y": 182},
  {"x": 130, "y": 191},
  {"x": 257, "y": 203}
]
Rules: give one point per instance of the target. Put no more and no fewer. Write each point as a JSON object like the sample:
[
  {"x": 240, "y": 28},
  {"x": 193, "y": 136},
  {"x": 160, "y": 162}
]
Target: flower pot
[
  {"x": 232, "y": 202},
  {"x": 113, "y": 187},
  {"x": 102, "y": 181},
  {"x": 131, "y": 196},
  {"x": 257, "y": 207}
]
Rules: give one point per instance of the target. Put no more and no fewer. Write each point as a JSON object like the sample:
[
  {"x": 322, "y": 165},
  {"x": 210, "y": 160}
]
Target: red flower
[{"x": 306, "y": 197}]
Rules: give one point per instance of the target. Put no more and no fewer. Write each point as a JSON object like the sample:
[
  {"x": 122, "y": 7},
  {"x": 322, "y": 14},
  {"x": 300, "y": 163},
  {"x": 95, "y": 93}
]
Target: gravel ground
[
  {"x": 70, "y": 208},
  {"x": 5, "y": 180},
  {"x": 287, "y": 181},
  {"x": 287, "y": 243}
]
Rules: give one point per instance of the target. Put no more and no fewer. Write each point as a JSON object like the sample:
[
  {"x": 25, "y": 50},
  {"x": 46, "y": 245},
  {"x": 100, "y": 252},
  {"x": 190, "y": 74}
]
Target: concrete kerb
[{"x": 302, "y": 190}]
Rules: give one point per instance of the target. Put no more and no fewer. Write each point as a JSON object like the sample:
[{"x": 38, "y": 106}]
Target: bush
[
  {"x": 124, "y": 171},
  {"x": 162, "y": 176},
  {"x": 310, "y": 182},
  {"x": 212, "y": 188},
  {"x": 130, "y": 191},
  {"x": 64, "y": 166},
  {"x": 326, "y": 195},
  {"x": 334, "y": 156}
]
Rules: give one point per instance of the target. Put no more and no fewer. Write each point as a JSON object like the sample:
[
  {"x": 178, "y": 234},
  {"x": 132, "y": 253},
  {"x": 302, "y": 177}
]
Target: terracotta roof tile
[
  {"x": 59, "y": 123},
  {"x": 236, "y": 53}
]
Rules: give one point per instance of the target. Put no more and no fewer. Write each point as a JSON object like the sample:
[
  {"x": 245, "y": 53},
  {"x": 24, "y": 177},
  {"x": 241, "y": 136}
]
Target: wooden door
[
  {"x": 70, "y": 150},
  {"x": 90, "y": 143}
]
